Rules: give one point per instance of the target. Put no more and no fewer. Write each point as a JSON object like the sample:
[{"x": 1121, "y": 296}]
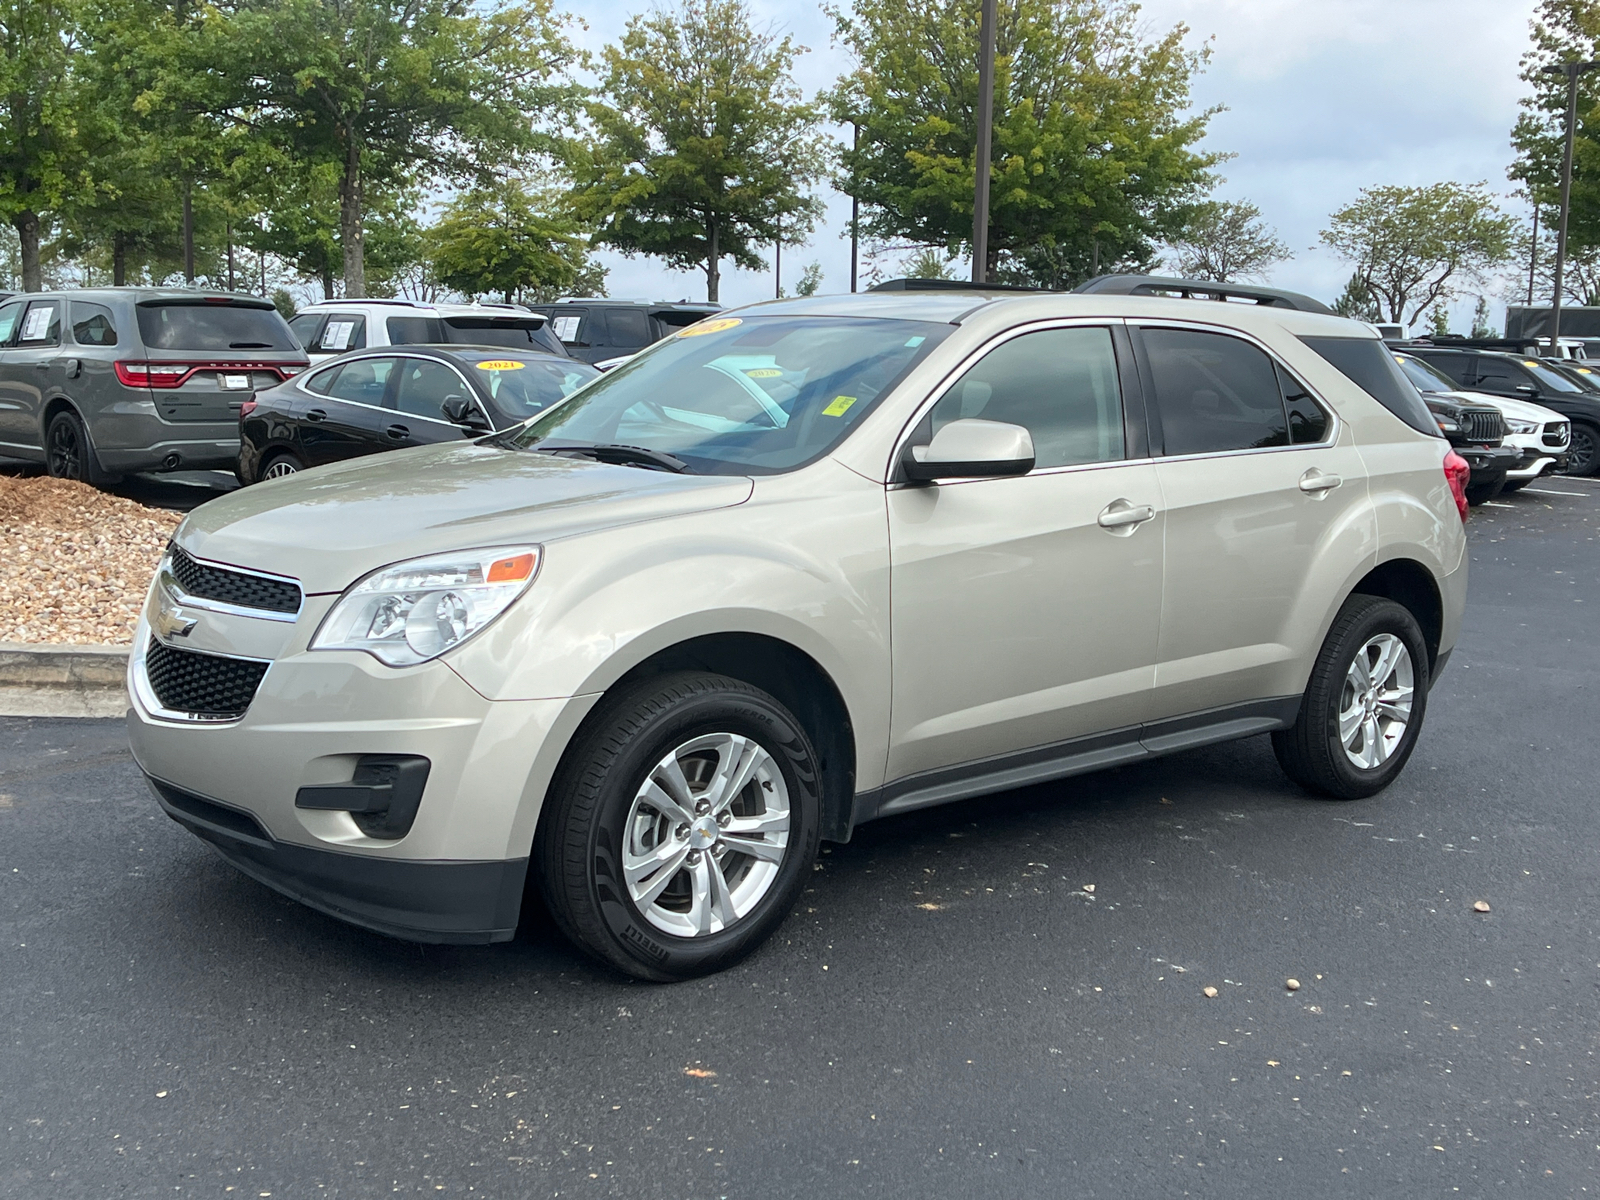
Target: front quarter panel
[{"x": 804, "y": 560}]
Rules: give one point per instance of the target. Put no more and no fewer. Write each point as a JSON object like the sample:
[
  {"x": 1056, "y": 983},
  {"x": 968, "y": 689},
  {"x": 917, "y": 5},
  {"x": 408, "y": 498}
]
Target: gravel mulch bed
[{"x": 74, "y": 562}]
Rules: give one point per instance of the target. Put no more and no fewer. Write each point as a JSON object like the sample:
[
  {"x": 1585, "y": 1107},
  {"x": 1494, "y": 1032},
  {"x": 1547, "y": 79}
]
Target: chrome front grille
[
  {"x": 242, "y": 589},
  {"x": 212, "y": 687}
]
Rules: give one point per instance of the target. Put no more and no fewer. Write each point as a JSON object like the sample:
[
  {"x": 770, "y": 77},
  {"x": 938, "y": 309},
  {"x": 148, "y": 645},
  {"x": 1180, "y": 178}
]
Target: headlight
[
  {"x": 1522, "y": 426},
  {"x": 413, "y": 611}
]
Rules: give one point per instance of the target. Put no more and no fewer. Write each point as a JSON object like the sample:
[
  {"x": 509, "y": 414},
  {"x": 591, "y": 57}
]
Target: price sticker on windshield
[
  {"x": 501, "y": 364},
  {"x": 839, "y": 406},
  {"x": 706, "y": 327}
]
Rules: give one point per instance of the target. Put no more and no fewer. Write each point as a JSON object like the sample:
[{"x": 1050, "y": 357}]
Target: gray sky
[{"x": 1323, "y": 98}]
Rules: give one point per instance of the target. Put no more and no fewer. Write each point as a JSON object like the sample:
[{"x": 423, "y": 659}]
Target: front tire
[
  {"x": 681, "y": 826},
  {"x": 1583, "y": 455},
  {"x": 1364, "y": 705},
  {"x": 281, "y": 466},
  {"x": 1484, "y": 492}
]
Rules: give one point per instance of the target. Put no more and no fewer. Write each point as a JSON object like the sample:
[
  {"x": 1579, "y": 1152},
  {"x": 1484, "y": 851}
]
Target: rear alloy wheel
[
  {"x": 282, "y": 467},
  {"x": 681, "y": 828},
  {"x": 69, "y": 454},
  {"x": 1363, "y": 706},
  {"x": 1583, "y": 455}
]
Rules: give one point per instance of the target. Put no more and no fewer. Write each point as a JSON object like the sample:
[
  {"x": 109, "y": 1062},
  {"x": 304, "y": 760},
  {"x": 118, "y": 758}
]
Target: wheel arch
[
  {"x": 1412, "y": 586},
  {"x": 784, "y": 671}
]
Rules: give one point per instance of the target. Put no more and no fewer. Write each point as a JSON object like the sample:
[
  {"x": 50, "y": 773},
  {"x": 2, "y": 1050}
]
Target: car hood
[
  {"x": 1520, "y": 409},
  {"x": 329, "y": 527}
]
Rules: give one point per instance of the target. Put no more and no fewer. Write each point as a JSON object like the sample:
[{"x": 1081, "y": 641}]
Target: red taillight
[
  {"x": 1456, "y": 474},
  {"x": 245, "y": 409},
  {"x": 154, "y": 375}
]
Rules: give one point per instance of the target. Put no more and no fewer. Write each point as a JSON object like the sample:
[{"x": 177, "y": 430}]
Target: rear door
[
  {"x": 89, "y": 366},
  {"x": 627, "y": 331},
  {"x": 422, "y": 386},
  {"x": 1265, "y": 496},
  {"x": 16, "y": 436},
  {"x": 31, "y": 371},
  {"x": 347, "y": 412}
]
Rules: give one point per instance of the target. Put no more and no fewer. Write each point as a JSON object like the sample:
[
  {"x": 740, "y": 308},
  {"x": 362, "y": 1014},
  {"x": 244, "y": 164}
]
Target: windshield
[
  {"x": 743, "y": 395},
  {"x": 1554, "y": 380},
  {"x": 522, "y": 388},
  {"x": 1425, "y": 377}
]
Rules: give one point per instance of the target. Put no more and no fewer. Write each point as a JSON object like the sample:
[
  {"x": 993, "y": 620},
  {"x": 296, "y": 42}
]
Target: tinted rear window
[
  {"x": 213, "y": 327},
  {"x": 1367, "y": 363}
]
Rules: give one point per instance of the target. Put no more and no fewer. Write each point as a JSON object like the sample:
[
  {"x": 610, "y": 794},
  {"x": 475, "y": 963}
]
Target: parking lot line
[
  {"x": 1549, "y": 492},
  {"x": 1497, "y": 504}
]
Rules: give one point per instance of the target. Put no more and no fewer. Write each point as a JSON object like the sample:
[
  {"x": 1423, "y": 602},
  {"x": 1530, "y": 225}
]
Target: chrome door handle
[
  {"x": 1122, "y": 514},
  {"x": 1318, "y": 483}
]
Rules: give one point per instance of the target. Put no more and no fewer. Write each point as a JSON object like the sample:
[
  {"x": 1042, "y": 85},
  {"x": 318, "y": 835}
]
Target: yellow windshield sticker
[
  {"x": 764, "y": 373},
  {"x": 705, "y": 327},
  {"x": 500, "y": 364},
  {"x": 839, "y": 406}
]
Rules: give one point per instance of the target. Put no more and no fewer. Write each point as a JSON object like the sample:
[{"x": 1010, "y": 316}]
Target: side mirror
[
  {"x": 971, "y": 448},
  {"x": 458, "y": 410}
]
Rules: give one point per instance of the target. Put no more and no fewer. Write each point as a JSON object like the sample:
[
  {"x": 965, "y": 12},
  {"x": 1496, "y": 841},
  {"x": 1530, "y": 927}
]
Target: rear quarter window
[
  {"x": 213, "y": 327},
  {"x": 1367, "y": 363}
]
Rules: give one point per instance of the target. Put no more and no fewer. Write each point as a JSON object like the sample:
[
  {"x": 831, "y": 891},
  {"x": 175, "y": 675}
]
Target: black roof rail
[
  {"x": 948, "y": 285},
  {"x": 1189, "y": 289}
]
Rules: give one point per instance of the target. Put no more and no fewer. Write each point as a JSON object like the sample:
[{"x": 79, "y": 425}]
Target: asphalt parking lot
[{"x": 1000, "y": 998}]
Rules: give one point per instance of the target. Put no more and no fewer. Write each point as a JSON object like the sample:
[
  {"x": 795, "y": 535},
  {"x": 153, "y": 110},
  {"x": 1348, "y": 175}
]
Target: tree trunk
[
  {"x": 327, "y": 281},
  {"x": 188, "y": 232},
  {"x": 355, "y": 268},
  {"x": 27, "y": 223},
  {"x": 713, "y": 260},
  {"x": 119, "y": 259}
]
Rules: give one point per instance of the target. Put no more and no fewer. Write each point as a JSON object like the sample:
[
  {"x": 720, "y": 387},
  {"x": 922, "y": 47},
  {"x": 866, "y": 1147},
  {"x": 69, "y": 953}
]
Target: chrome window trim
[
  {"x": 391, "y": 352},
  {"x": 1336, "y": 422},
  {"x": 173, "y": 589},
  {"x": 943, "y": 386},
  {"x": 139, "y": 675}
]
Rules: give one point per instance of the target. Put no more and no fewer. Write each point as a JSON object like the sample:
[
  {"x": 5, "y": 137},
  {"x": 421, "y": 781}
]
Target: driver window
[
  {"x": 424, "y": 386},
  {"x": 1059, "y": 384}
]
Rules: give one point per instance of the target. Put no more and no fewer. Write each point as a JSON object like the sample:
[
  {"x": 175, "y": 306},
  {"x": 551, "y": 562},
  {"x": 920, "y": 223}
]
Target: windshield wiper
[{"x": 621, "y": 455}]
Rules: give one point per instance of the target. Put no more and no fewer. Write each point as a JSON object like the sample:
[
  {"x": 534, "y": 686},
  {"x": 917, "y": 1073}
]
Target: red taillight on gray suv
[
  {"x": 176, "y": 374},
  {"x": 1456, "y": 474}
]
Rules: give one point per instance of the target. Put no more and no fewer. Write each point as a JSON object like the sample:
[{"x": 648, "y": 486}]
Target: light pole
[
  {"x": 980, "y": 199},
  {"x": 855, "y": 204},
  {"x": 1571, "y": 70}
]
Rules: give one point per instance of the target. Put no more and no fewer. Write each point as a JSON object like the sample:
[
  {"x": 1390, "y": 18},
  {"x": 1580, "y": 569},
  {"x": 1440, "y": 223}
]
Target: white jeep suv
[
  {"x": 798, "y": 567},
  {"x": 333, "y": 327}
]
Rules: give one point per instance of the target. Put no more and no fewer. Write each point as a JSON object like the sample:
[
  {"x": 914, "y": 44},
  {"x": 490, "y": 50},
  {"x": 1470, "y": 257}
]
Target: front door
[
  {"x": 1264, "y": 495},
  {"x": 1025, "y": 609},
  {"x": 421, "y": 388}
]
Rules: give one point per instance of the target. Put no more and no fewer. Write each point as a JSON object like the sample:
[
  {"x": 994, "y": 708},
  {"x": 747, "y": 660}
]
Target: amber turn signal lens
[{"x": 511, "y": 570}]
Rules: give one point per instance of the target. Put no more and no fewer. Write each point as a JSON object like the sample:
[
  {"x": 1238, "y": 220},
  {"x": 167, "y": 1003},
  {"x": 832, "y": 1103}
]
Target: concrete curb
[{"x": 62, "y": 681}]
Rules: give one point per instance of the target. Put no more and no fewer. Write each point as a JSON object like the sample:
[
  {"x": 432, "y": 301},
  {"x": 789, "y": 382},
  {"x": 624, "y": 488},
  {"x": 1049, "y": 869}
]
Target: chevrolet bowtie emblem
[{"x": 171, "y": 622}]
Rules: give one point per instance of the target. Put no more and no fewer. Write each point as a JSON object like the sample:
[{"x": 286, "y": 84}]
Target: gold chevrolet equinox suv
[{"x": 800, "y": 566}]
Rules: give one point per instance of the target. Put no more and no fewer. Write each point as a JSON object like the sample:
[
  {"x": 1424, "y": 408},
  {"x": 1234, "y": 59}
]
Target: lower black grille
[
  {"x": 1483, "y": 424},
  {"x": 233, "y": 587},
  {"x": 207, "y": 685}
]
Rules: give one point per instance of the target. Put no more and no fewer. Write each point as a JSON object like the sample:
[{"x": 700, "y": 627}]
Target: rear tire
[
  {"x": 650, "y": 857},
  {"x": 281, "y": 466},
  {"x": 1515, "y": 485},
  {"x": 69, "y": 454},
  {"x": 1349, "y": 740}
]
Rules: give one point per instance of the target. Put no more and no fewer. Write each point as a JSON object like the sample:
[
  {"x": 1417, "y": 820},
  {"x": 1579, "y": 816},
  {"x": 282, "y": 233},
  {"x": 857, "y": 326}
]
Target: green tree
[
  {"x": 1094, "y": 158},
  {"x": 1480, "y": 319},
  {"x": 1561, "y": 31},
  {"x": 1413, "y": 247},
  {"x": 810, "y": 280},
  {"x": 702, "y": 147},
  {"x": 1227, "y": 241},
  {"x": 928, "y": 263},
  {"x": 507, "y": 241},
  {"x": 388, "y": 93},
  {"x": 40, "y": 162},
  {"x": 1356, "y": 301},
  {"x": 1438, "y": 321}
]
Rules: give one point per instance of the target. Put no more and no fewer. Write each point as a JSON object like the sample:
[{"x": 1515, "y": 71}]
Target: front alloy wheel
[
  {"x": 707, "y": 833},
  {"x": 681, "y": 826},
  {"x": 1583, "y": 454}
]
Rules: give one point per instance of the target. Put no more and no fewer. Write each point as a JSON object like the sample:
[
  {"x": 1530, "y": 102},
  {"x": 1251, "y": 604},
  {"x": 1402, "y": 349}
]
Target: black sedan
[{"x": 396, "y": 396}]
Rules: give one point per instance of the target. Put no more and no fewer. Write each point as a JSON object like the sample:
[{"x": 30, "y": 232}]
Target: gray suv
[{"x": 100, "y": 382}]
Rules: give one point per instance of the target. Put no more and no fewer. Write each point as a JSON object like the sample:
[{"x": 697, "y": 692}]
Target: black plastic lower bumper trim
[{"x": 419, "y": 901}]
